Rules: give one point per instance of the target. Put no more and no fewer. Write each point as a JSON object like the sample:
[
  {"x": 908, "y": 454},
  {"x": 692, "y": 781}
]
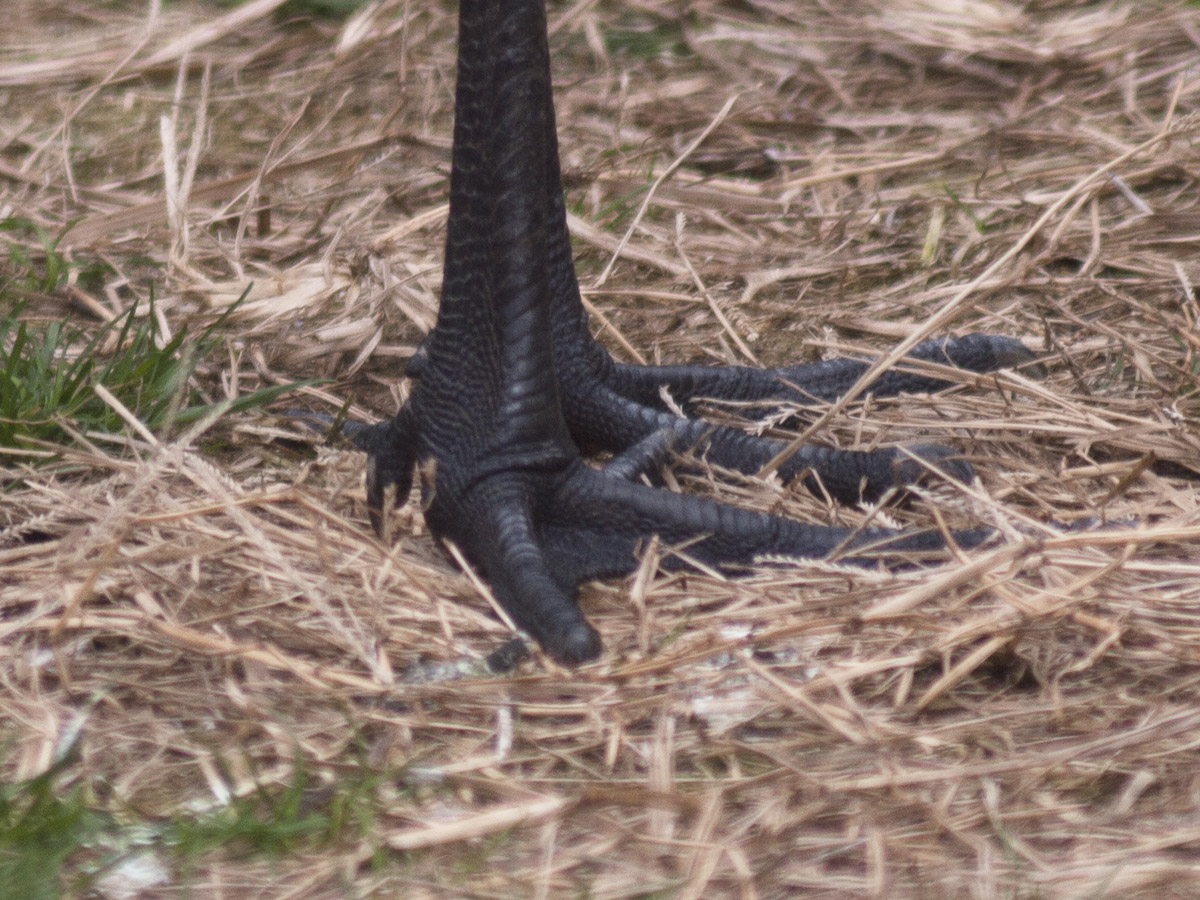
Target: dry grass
[{"x": 1020, "y": 722}]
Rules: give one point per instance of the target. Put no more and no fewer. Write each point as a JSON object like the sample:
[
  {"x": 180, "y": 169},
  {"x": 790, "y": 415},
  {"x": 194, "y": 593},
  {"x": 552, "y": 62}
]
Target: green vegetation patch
[
  {"x": 50, "y": 370},
  {"x": 56, "y": 843}
]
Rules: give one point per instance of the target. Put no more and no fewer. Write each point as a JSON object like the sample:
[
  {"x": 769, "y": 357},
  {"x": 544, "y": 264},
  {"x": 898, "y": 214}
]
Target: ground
[{"x": 213, "y": 670}]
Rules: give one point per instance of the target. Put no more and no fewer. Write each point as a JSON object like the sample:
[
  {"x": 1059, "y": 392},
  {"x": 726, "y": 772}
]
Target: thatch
[{"x": 207, "y": 611}]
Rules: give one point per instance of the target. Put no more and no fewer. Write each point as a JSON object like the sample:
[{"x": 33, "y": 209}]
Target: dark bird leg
[{"x": 510, "y": 384}]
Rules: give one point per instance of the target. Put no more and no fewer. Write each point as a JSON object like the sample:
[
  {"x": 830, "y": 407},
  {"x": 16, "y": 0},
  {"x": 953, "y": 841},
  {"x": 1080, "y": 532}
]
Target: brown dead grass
[{"x": 1022, "y": 721}]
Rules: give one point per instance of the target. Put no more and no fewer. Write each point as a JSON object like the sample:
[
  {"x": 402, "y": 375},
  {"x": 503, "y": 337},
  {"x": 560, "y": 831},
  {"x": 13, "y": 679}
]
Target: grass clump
[
  {"x": 49, "y": 370},
  {"x": 48, "y": 376},
  {"x": 55, "y": 842},
  {"x": 40, "y": 827},
  {"x": 281, "y": 819}
]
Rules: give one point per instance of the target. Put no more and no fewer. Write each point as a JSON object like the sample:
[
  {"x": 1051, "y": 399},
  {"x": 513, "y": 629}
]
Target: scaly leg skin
[{"x": 510, "y": 384}]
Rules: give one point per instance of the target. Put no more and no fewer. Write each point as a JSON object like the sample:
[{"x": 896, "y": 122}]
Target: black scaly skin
[{"x": 511, "y": 384}]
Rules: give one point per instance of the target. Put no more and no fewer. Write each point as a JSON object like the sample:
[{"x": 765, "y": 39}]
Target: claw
[{"x": 390, "y": 461}]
